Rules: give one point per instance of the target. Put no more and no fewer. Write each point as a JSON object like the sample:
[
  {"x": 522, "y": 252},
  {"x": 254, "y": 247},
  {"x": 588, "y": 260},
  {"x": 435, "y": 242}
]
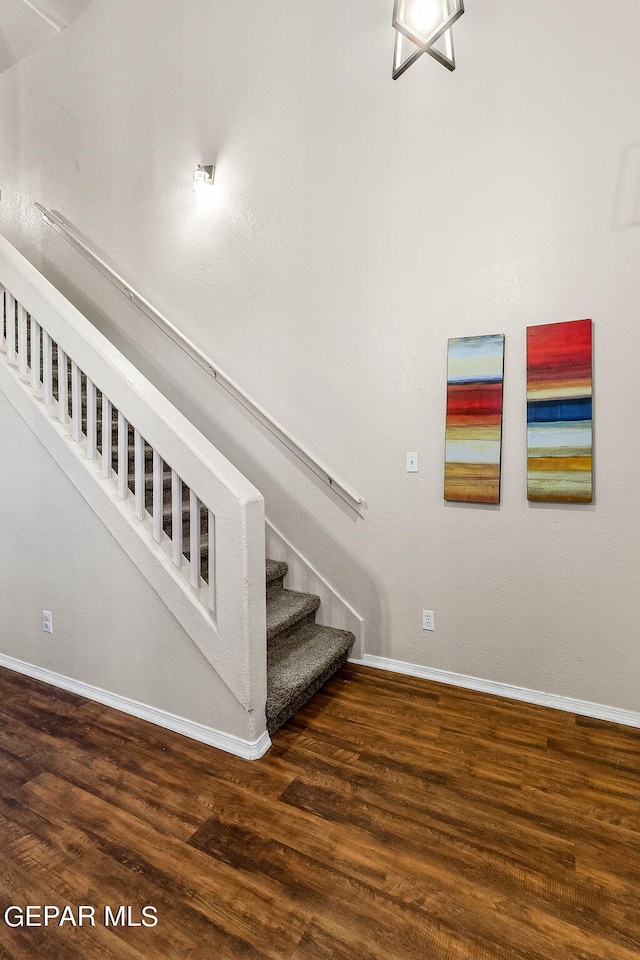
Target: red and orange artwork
[{"x": 474, "y": 419}]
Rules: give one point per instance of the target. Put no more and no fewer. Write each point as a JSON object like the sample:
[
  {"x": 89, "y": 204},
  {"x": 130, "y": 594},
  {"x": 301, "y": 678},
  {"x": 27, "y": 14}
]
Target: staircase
[{"x": 301, "y": 654}]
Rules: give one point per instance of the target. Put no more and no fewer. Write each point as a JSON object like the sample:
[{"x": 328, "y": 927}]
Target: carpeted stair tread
[
  {"x": 299, "y": 665},
  {"x": 166, "y": 485},
  {"x": 276, "y": 570},
  {"x": 286, "y": 608},
  {"x": 186, "y": 514}
]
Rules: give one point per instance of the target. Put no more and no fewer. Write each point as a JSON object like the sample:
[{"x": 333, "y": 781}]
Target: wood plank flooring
[{"x": 393, "y": 819}]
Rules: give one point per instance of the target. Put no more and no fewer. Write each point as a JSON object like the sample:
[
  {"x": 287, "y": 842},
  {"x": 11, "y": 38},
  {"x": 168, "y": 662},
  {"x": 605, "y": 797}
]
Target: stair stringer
[
  {"x": 132, "y": 536},
  {"x": 334, "y": 610}
]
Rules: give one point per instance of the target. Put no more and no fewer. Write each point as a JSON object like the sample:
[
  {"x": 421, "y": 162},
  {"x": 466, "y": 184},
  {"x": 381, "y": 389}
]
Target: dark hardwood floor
[{"x": 393, "y": 819}]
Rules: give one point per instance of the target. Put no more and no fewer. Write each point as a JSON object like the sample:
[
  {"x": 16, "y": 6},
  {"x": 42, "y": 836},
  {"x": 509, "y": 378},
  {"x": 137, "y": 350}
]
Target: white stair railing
[
  {"x": 84, "y": 407},
  {"x": 46, "y": 345}
]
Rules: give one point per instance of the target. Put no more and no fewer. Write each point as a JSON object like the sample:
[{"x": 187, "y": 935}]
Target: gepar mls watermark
[{"x": 50, "y": 915}]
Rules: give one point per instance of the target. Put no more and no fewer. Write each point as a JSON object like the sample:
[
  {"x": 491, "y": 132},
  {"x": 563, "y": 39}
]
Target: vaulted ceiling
[{"x": 26, "y": 24}]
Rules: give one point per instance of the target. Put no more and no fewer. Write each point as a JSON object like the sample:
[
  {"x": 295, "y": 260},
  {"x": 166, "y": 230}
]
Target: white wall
[
  {"x": 66, "y": 10},
  {"x": 110, "y": 629},
  {"x": 357, "y": 224}
]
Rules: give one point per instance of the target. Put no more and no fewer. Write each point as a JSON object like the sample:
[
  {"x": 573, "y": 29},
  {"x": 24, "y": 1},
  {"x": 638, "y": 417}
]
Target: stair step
[
  {"x": 186, "y": 516},
  {"x": 114, "y": 416},
  {"x": 166, "y": 485},
  {"x": 299, "y": 665},
  {"x": 148, "y": 461},
  {"x": 286, "y": 610},
  {"x": 276, "y": 570}
]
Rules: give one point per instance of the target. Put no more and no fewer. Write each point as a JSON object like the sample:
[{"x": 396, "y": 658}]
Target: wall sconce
[
  {"x": 203, "y": 178},
  {"x": 423, "y": 23}
]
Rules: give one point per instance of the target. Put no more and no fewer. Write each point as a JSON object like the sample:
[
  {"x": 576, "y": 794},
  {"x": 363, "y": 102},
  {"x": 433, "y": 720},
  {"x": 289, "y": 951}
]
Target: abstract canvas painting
[
  {"x": 475, "y": 371},
  {"x": 559, "y": 412}
]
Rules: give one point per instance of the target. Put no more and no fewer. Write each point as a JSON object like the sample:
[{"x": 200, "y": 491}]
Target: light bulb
[
  {"x": 203, "y": 179},
  {"x": 425, "y": 15}
]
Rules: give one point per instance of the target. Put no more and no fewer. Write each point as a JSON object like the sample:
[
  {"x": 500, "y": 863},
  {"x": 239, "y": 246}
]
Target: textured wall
[{"x": 357, "y": 224}]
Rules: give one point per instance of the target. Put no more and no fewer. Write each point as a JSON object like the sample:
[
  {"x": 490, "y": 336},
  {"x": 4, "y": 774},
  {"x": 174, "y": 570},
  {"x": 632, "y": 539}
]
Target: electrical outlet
[
  {"x": 428, "y": 620},
  {"x": 412, "y": 463},
  {"x": 47, "y": 621}
]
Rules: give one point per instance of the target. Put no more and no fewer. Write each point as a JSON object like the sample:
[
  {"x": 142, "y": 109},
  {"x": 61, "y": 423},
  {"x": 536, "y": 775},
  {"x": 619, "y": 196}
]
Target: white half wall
[
  {"x": 356, "y": 225},
  {"x": 111, "y": 630}
]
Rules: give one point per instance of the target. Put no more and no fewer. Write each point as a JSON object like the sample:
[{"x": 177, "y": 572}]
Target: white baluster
[
  {"x": 212, "y": 563},
  {"x": 176, "y": 517},
  {"x": 10, "y": 307},
  {"x": 35, "y": 354},
  {"x": 138, "y": 447},
  {"x": 63, "y": 387},
  {"x": 47, "y": 368},
  {"x": 3, "y": 334},
  {"x": 23, "y": 359},
  {"x": 158, "y": 495},
  {"x": 194, "y": 537},
  {"x": 107, "y": 437},
  {"x": 123, "y": 457},
  {"x": 92, "y": 421},
  {"x": 76, "y": 401}
]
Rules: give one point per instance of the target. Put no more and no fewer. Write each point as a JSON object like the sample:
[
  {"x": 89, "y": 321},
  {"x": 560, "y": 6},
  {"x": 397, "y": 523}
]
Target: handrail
[
  {"x": 66, "y": 231},
  {"x": 54, "y": 22}
]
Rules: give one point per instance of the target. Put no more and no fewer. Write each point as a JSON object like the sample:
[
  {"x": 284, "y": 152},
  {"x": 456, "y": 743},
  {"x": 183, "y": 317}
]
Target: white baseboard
[
  {"x": 247, "y": 749},
  {"x": 583, "y": 708}
]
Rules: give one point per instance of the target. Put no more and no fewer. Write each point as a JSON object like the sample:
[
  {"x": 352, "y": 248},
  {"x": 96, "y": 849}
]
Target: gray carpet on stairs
[
  {"x": 286, "y": 609},
  {"x": 298, "y": 665}
]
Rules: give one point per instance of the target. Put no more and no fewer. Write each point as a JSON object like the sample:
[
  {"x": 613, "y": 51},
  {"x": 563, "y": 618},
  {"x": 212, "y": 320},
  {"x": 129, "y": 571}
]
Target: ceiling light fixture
[{"x": 419, "y": 26}]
